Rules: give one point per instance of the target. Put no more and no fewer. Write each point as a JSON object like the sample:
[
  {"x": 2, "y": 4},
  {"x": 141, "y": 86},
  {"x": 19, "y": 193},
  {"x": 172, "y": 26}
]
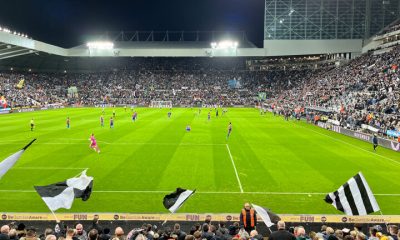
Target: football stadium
[{"x": 202, "y": 134}]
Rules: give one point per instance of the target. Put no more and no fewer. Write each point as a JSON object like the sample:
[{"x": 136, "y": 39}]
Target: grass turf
[{"x": 285, "y": 166}]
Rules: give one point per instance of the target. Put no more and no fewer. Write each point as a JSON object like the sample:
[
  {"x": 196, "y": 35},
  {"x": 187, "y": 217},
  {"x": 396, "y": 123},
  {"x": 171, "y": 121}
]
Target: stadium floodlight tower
[
  {"x": 224, "y": 47},
  {"x": 99, "y": 48}
]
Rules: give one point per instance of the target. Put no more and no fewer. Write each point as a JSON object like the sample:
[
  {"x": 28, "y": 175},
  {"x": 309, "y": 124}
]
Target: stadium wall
[
  {"x": 386, "y": 143},
  {"x": 41, "y": 221},
  {"x": 306, "y": 47}
]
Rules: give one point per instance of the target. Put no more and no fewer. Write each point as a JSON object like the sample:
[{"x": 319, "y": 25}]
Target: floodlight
[
  {"x": 100, "y": 45},
  {"x": 225, "y": 44}
]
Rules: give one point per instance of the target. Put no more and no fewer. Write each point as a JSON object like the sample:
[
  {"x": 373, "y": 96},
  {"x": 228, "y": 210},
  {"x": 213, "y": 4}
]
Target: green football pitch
[{"x": 285, "y": 166}]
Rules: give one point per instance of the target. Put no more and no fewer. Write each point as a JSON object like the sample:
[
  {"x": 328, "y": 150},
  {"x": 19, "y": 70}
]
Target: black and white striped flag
[
  {"x": 354, "y": 197},
  {"x": 7, "y": 163},
  {"x": 62, "y": 194},
  {"x": 174, "y": 201},
  {"x": 267, "y": 216}
]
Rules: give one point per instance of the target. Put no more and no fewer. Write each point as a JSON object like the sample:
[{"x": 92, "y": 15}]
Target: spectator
[
  {"x": 93, "y": 234},
  {"x": 30, "y": 234},
  {"x": 301, "y": 234},
  {"x": 50, "y": 237},
  {"x": 119, "y": 234},
  {"x": 80, "y": 232},
  {"x": 281, "y": 233},
  {"x": 248, "y": 218},
  {"x": 177, "y": 230},
  {"x": 393, "y": 231},
  {"x": 105, "y": 235}
]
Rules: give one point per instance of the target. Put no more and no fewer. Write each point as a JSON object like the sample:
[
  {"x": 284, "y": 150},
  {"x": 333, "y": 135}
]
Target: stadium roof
[
  {"x": 12, "y": 45},
  {"x": 165, "y": 44}
]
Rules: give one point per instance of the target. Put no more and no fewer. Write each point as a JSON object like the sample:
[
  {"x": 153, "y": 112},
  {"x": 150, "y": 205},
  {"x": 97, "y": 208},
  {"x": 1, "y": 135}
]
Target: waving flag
[
  {"x": 62, "y": 194},
  {"x": 175, "y": 200},
  {"x": 7, "y": 163},
  {"x": 267, "y": 216},
  {"x": 354, "y": 197}
]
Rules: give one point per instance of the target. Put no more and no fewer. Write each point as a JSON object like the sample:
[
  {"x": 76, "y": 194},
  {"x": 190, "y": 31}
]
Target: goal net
[{"x": 161, "y": 104}]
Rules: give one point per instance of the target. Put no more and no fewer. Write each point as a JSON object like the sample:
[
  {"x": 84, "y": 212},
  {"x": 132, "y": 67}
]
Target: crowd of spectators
[
  {"x": 199, "y": 231},
  {"x": 366, "y": 90},
  {"x": 184, "y": 82}
]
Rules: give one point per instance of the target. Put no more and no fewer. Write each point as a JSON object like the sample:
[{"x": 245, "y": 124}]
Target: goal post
[{"x": 161, "y": 104}]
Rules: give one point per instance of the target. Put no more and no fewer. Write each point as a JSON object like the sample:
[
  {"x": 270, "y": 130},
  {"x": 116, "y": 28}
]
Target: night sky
[{"x": 68, "y": 23}]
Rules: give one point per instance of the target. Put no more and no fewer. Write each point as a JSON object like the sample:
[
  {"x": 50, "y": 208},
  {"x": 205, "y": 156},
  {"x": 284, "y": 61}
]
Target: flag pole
[
  {"x": 55, "y": 216},
  {"x": 80, "y": 173},
  {"x": 166, "y": 219},
  {"x": 380, "y": 211},
  {"x": 30, "y": 143}
]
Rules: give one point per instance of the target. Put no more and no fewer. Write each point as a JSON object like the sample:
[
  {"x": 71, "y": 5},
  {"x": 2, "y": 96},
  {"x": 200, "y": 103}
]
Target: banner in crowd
[
  {"x": 372, "y": 129},
  {"x": 393, "y": 133},
  {"x": 334, "y": 122},
  {"x": 20, "y": 84},
  {"x": 262, "y": 96},
  {"x": 233, "y": 83},
  {"x": 3, "y": 102},
  {"x": 5, "y": 110},
  {"x": 194, "y": 217}
]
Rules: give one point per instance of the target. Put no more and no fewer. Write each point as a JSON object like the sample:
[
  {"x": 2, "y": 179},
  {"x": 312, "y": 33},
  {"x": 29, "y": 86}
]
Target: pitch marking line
[
  {"x": 116, "y": 143},
  {"x": 47, "y": 168},
  {"x": 234, "y": 167},
  {"x": 151, "y": 192},
  {"x": 359, "y": 148}
]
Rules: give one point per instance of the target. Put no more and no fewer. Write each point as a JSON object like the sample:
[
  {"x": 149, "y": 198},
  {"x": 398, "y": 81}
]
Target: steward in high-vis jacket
[{"x": 248, "y": 218}]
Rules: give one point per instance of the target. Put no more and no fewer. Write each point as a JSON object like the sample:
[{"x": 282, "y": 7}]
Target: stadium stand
[{"x": 364, "y": 91}]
